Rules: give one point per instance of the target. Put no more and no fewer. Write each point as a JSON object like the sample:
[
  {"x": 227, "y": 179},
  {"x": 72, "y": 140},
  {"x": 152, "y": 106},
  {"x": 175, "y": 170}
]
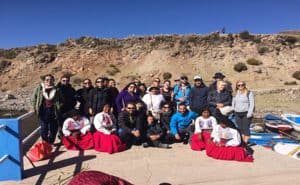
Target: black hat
[
  {"x": 219, "y": 75},
  {"x": 152, "y": 88}
]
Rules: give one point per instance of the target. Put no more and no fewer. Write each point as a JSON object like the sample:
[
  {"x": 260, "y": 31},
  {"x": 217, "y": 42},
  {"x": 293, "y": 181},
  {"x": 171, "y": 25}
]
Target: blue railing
[{"x": 11, "y": 146}]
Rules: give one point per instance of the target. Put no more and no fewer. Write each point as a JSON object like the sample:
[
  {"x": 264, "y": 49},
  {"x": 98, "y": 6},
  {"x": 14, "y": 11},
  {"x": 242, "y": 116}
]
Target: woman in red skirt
[
  {"x": 105, "y": 138},
  {"x": 225, "y": 144},
  {"x": 204, "y": 125},
  {"x": 76, "y": 132}
]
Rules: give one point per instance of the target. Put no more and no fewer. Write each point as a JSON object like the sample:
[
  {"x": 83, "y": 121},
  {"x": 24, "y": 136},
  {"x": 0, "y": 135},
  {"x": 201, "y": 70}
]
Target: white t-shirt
[
  {"x": 202, "y": 123},
  {"x": 153, "y": 102}
]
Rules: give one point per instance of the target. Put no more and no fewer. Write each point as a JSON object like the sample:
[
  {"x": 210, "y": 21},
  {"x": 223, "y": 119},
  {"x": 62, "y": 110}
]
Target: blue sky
[{"x": 31, "y": 22}]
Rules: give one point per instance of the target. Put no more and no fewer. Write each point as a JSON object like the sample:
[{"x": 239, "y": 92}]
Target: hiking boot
[{"x": 161, "y": 145}]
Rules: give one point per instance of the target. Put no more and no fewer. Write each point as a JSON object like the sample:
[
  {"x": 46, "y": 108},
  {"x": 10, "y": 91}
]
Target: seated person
[
  {"x": 154, "y": 134},
  {"x": 105, "y": 137},
  {"x": 130, "y": 126},
  {"x": 225, "y": 144},
  {"x": 204, "y": 125},
  {"x": 76, "y": 132},
  {"x": 181, "y": 124}
]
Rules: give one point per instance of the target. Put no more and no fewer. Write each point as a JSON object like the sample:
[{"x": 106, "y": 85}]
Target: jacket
[
  {"x": 179, "y": 121},
  {"x": 198, "y": 97}
]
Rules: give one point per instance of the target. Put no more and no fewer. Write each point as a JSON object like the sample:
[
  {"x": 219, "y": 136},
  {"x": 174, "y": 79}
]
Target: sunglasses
[
  {"x": 49, "y": 79},
  {"x": 130, "y": 108},
  {"x": 65, "y": 80},
  {"x": 240, "y": 85},
  {"x": 86, "y": 82}
]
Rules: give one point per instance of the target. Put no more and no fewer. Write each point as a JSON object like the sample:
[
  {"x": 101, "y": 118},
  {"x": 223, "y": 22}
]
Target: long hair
[{"x": 237, "y": 88}]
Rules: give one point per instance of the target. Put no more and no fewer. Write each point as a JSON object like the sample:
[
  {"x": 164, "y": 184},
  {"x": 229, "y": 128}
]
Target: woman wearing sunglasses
[{"x": 243, "y": 104}]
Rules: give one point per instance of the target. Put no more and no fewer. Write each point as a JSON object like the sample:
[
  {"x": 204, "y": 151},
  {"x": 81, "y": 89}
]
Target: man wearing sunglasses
[{"x": 130, "y": 126}]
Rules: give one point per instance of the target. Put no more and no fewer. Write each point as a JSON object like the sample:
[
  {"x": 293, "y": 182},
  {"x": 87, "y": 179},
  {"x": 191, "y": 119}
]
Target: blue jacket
[
  {"x": 179, "y": 120},
  {"x": 182, "y": 93}
]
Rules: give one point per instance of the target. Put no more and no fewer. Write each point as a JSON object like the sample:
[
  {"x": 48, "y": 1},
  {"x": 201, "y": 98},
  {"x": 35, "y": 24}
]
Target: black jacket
[
  {"x": 165, "y": 119},
  {"x": 154, "y": 129},
  {"x": 125, "y": 124},
  {"x": 98, "y": 97},
  {"x": 223, "y": 97},
  {"x": 69, "y": 97},
  {"x": 82, "y": 95},
  {"x": 198, "y": 97}
]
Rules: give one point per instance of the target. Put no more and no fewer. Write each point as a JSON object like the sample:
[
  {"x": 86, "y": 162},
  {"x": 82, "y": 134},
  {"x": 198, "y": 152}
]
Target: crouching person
[
  {"x": 131, "y": 127},
  {"x": 106, "y": 138},
  {"x": 182, "y": 124},
  {"x": 204, "y": 125},
  {"x": 76, "y": 132},
  {"x": 154, "y": 134},
  {"x": 225, "y": 144}
]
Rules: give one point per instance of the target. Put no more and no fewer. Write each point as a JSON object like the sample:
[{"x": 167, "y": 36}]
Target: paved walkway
[{"x": 179, "y": 165}]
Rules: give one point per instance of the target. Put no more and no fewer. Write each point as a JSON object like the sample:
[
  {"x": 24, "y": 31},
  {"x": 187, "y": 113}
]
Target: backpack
[{"x": 39, "y": 151}]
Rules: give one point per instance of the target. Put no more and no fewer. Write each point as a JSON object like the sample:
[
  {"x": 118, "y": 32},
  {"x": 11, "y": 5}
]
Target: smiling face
[
  {"x": 182, "y": 109},
  {"x": 49, "y": 81}
]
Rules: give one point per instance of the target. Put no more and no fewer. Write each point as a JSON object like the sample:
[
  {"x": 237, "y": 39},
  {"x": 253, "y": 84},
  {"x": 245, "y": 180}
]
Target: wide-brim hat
[{"x": 219, "y": 75}]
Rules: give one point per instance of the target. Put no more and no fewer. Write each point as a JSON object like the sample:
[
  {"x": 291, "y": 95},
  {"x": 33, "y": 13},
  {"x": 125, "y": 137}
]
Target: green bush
[
  {"x": 291, "y": 39},
  {"x": 290, "y": 83},
  {"x": 262, "y": 49},
  {"x": 239, "y": 67},
  {"x": 245, "y": 35},
  {"x": 4, "y": 64},
  {"x": 9, "y": 54},
  {"x": 167, "y": 76},
  {"x": 254, "y": 62},
  {"x": 296, "y": 75}
]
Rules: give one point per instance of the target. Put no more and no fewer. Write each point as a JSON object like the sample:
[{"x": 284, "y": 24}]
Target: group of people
[{"x": 109, "y": 120}]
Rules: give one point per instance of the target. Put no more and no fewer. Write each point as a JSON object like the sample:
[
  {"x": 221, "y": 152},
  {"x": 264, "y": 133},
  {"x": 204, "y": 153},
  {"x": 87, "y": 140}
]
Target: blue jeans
[{"x": 48, "y": 124}]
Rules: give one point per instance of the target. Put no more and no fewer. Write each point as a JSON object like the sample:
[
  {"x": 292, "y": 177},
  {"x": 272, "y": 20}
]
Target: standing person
[
  {"x": 113, "y": 92},
  {"x": 142, "y": 90},
  {"x": 69, "y": 97},
  {"x": 154, "y": 134},
  {"x": 47, "y": 101},
  {"x": 105, "y": 137},
  {"x": 225, "y": 144},
  {"x": 219, "y": 98},
  {"x": 167, "y": 91},
  {"x": 198, "y": 95},
  {"x": 204, "y": 125},
  {"x": 131, "y": 127},
  {"x": 155, "y": 83},
  {"x": 126, "y": 95},
  {"x": 76, "y": 130},
  {"x": 153, "y": 101},
  {"x": 243, "y": 104},
  {"x": 182, "y": 92},
  {"x": 82, "y": 96},
  {"x": 181, "y": 123},
  {"x": 219, "y": 77},
  {"x": 98, "y": 97}
]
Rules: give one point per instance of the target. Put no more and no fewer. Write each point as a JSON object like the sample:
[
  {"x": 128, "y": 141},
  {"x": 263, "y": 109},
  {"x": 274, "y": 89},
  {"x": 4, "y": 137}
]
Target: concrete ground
[{"x": 152, "y": 166}]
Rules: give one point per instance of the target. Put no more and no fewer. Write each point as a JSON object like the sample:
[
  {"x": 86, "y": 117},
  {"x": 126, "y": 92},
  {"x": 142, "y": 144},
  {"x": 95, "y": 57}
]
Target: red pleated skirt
[
  {"x": 198, "y": 144},
  {"x": 84, "y": 142},
  {"x": 108, "y": 143},
  {"x": 228, "y": 153}
]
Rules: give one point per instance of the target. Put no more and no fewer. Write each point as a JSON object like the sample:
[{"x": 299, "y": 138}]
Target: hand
[
  {"x": 154, "y": 137},
  {"x": 199, "y": 136},
  {"x": 249, "y": 116},
  {"x": 76, "y": 134},
  {"x": 220, "y": 105},
  {"x": 136, "y": 133},
  {"x": 91, "y": 112},
  {"x": 181, "y": 99},
  {"x": 209, "y": 141},
  {"x": 177, "y": 137},
  {"x": 168, "y": 131}
]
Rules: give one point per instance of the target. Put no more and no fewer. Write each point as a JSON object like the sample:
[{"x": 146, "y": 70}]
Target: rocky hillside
[{"x": 273, "y": 59}]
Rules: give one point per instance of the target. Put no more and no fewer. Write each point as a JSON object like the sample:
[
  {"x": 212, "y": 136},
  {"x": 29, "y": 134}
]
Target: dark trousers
[
  {"x": 243, "y": 123},
  {"x": 186, "y": 133},
  {"x": 129, "y": 139},
  {"x": 48, "y": 125}
]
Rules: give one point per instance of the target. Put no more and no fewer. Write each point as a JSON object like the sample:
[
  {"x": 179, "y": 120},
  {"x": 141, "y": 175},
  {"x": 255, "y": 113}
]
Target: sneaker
[
  {"x": 145, "y": 145},
  {"x": 161, "y": 145}
]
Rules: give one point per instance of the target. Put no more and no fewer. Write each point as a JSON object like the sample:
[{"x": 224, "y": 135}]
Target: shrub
[
  {"x": 113, "y": 70},
  {"x": 290, "y": 83},
  {"x": 253, "y": 61},
  {"x": 245, "y": 35},
  {"x": 296, "y": 75},
  {"x": 4, "y": 64},
  {"x": 167, "y": 76},
  {"x": 262, "y": 49},
  {"x": 291, "y": 39},
  {"x": 239, "y": 67},
  {"x": 9, "y": 54}
]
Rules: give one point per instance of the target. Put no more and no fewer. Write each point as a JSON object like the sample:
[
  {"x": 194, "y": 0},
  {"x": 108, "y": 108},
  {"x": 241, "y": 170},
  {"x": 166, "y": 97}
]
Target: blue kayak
[{"x": 269, "y": 139}]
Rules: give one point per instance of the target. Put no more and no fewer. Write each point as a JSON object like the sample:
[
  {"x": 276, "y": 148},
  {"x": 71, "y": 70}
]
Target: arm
[
  {"x": 197, "y": 125},
  {"x": 86, "y": 127},
  {"x": 173, "y": 125},
  {"x": 122, "y": 122},
  {"x": 251, "y": 105},
  {"x": 236, "y": 138},
  {"x": 65, "y": 128},
  {"x": 98, "y": 122},
  {"x": 211, "y": 100}
]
